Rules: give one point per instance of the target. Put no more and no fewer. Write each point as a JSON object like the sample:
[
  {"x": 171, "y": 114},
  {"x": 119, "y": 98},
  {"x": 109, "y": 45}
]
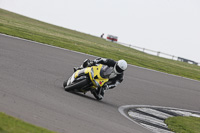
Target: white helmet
[{"x": 120, "y": 66}]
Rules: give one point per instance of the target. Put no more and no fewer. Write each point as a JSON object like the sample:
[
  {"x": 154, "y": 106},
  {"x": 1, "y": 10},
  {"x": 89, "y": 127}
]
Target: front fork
[{"x": 96, "y": 91}]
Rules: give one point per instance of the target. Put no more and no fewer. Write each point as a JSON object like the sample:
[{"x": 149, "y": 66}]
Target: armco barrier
[{"x": 157, "y": 53}]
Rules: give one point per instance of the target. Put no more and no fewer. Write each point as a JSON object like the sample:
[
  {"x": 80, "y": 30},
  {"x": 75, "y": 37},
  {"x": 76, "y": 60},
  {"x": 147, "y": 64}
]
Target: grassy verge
[
  {"x": 10, "y": 124},
  {"x": 20, "y": 26},
  {"x": 184, "y": 124}
]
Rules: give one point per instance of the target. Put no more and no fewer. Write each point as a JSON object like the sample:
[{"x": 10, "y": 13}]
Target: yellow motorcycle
[{"x": 88, "y": 79}]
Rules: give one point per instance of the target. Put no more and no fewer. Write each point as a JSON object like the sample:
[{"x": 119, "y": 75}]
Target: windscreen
[{"x": 105, "y": 71}]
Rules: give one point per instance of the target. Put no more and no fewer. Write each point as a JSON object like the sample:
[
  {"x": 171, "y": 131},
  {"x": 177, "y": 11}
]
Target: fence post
[{"x": 158, "y": 53}]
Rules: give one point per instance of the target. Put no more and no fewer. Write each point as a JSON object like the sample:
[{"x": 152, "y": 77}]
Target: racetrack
[{"x": 31, "y": 77}]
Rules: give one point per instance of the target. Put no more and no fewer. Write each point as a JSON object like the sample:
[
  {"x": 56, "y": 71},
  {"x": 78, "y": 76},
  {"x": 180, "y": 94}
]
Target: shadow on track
[
  {"x": 91, "y": 98},
  {"x": 84, "y": 95}
]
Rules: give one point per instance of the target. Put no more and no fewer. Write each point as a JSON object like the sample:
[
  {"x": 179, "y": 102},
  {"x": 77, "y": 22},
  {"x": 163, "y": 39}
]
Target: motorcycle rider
[{"x": 115, "y": 78}]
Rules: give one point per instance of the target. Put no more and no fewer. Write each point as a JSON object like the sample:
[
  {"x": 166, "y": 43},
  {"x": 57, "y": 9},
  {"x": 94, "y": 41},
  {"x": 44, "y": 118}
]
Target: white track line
[
  {"x": 155, "y": 112},
  {"x": 149, "y": 117}
]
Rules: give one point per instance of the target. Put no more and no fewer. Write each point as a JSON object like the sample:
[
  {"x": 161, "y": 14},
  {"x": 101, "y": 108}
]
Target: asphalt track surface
[{"x": 31, "y": 77}]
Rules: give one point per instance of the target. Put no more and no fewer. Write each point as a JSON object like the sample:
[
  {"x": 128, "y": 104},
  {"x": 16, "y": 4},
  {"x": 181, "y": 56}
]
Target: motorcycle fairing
[{"x": 94, "y": 74}]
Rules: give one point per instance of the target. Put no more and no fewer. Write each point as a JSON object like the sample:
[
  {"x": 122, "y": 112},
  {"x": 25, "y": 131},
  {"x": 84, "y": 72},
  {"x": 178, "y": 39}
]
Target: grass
[
  {"x": 181, "y": 124},
  {"x": 24, "y": 27},
  {"x": 10, "y": 124}
]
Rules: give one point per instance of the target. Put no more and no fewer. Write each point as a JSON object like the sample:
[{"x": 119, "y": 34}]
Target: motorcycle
[{"x": 88, "y": 79}]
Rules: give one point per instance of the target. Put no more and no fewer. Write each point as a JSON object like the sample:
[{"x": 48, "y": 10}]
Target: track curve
[{"x": 31, "y": 77}]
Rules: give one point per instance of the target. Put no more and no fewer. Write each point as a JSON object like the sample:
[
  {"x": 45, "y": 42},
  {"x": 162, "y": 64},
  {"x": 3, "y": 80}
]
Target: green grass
[
  {"x": 181, "y": 124},
  {"x": 10, "y": 124},
  {"x": 20, "y": 26}
]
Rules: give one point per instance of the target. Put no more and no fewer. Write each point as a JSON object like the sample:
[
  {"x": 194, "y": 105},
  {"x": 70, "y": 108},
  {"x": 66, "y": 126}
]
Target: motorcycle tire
[{"x": 77, "y": 85}]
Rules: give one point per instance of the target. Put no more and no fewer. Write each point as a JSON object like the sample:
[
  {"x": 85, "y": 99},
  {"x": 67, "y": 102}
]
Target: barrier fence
[{"x": 160, "y": 54}]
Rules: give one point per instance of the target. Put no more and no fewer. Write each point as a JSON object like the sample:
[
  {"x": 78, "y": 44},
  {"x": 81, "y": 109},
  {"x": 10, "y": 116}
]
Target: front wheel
[{"x": 77, "y": 85}]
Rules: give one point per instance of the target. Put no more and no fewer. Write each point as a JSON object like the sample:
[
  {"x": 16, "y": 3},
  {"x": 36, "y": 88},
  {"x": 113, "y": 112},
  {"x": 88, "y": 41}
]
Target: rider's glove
[
  {"x": 96, "y": 61},
  {"x": 86, "y": 63},
  {"x": 93, "y": 63}
]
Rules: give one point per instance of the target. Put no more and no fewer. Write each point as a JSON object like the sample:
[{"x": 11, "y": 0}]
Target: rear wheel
[{"x": 77, "y": 85}]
